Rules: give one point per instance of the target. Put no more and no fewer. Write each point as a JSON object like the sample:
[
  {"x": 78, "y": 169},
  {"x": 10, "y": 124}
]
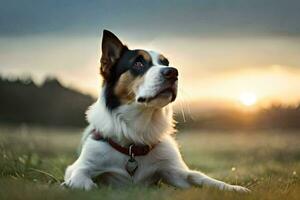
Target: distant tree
[
  {"x": 22, "y": 101},
  {"x": 275, "y": 117}
]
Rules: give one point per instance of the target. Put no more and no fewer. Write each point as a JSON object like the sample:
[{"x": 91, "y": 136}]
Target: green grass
[{"x": 32, "y": 163}]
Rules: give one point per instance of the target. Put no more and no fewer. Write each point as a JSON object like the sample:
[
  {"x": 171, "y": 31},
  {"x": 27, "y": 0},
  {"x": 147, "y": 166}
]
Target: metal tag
[{"x": 131, "y": 166}]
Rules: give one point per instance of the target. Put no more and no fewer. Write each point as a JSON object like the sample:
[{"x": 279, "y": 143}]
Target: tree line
[
  {"x": 52, "y": 104},
  {"x": 273, "y": 117}
]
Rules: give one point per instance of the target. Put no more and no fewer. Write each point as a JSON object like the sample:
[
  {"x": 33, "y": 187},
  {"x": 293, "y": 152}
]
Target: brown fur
[
  {"x": 126, "y": 87},
  {"x": 145, "y": 54},
  {"x": 106, "y": 62}
]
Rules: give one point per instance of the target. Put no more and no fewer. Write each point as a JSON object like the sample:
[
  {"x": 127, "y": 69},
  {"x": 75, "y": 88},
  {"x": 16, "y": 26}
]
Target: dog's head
[{"x": 135, "y": 76}]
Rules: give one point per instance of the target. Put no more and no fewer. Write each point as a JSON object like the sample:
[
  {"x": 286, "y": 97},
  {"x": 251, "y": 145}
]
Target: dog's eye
[{"x": 138, "y": 65}]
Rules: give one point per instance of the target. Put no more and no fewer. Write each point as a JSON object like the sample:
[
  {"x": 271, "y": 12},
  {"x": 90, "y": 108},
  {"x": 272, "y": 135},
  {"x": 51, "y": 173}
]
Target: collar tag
[{"x": 131, "y": 165}]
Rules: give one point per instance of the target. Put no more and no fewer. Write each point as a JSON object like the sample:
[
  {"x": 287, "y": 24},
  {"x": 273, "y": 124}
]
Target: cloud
[{"x": 149, "y": 18}]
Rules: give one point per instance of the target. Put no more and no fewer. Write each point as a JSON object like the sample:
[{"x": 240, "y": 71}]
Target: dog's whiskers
[
  {"x": 185, "y": 104},
  {"x": 181, "y": 108}
]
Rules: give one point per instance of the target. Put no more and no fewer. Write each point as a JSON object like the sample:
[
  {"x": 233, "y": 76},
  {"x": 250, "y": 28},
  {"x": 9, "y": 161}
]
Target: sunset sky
[{"x": 225, "y": 50}]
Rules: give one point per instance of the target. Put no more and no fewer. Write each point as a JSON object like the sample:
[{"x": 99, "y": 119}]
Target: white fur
[
  {"x": 139, "y": 124},
  {"x": 134, "y": 123},
  {"x": 153, "y": 81}
]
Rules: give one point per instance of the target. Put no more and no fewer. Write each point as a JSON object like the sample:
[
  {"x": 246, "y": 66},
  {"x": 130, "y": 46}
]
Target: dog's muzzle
[{"x": 168, "y": 86}]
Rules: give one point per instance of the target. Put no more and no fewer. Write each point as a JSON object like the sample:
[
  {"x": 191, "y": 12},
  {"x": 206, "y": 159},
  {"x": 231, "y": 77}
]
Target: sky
[{"x": 222, "y": 49}]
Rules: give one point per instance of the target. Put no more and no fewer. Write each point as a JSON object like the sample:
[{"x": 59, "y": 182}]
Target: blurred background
[
  {"x": 238, "y": 107},
  {"x": 238, "y": 60}
]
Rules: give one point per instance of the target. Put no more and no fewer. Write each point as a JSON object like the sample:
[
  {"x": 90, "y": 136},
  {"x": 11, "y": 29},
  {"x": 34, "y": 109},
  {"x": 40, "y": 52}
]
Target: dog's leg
[
  {"x": 174, "y": 171},
  {"x": 79, "y": 178},
  {"x": 79, "y": 175},
  {"x": 197, "y": 178},
  {"x": 185, "y": 178}
]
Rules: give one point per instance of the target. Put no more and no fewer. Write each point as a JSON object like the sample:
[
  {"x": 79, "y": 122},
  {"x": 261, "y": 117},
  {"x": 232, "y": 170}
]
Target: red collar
[{"x": 132, "y": 150}]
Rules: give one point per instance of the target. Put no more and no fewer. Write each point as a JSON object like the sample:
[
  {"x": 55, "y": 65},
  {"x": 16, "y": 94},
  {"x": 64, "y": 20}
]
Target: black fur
[
  {"x": 125, "y": 63},
  {"x": 136, "y": 61}
]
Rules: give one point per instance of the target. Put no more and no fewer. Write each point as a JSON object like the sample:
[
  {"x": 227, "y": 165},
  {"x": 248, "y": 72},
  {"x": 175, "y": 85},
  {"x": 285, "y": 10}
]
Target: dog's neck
[{"x": 131, "y": 123}]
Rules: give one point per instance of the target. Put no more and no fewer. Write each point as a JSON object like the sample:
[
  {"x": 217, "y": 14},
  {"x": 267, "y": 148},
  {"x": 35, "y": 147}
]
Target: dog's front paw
[
  {"x": 84, "y": 184},
  {"x": 236, "y": 188}
]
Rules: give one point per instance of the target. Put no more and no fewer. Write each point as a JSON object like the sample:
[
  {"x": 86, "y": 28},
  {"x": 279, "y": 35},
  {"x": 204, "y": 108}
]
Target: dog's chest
[
  {"x": 117, "y": 175},
  {"x": 112, "y": 166}
]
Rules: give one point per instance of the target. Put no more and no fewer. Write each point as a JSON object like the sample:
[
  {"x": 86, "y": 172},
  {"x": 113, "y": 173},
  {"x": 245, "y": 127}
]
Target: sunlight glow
[{"x": 247, "y": 98}]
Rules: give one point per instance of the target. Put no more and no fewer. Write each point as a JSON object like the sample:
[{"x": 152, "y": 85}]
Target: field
[{"x": 33, "y": 159}]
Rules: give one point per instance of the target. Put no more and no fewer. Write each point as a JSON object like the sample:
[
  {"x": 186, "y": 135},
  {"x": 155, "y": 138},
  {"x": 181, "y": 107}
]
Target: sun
[{"x": 247, "y": 98}]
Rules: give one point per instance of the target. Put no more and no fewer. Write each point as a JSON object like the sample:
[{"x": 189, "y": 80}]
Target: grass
[{"x": 32, "y": 163}]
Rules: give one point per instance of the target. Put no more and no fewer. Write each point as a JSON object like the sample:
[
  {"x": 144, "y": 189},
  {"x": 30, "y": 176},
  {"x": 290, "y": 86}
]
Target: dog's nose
[{"x": 169, "y": 72}]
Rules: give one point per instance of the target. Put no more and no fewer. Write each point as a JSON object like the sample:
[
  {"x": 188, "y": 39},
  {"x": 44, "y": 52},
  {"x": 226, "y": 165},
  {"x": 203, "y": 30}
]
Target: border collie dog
[{"x": 129, "y": 137}]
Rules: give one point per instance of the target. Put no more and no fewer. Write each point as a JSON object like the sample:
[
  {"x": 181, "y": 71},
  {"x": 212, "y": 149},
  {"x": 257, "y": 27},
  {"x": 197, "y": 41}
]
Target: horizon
[
  {"x": 181, "y": 106},
  {"x": 221, "y": 54}
]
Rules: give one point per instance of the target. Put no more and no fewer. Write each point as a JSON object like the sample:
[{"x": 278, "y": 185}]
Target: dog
[{"x": 129, "y": 138}]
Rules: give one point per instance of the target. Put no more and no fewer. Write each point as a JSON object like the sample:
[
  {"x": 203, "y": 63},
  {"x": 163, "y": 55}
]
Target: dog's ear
[{"x": 112, "y": 49}]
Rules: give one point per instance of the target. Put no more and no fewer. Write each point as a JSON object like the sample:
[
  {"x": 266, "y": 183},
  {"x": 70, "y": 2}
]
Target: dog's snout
[{"x": 169, "y": 72}]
